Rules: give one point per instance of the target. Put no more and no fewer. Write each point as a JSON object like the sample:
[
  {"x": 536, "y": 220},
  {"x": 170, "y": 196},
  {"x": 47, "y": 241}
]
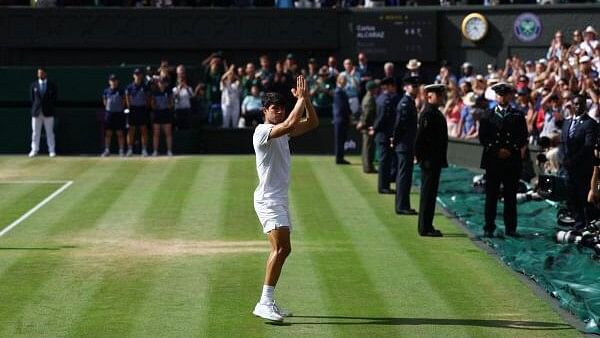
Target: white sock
[{"x": 267, "y": 294}]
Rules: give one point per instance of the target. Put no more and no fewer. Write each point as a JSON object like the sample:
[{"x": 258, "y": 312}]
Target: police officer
[
  {"x": 114, "y": 116},
  {"x": 365, "y": 126},
  {"x": 137, "y": 99},
  {"x": 431, "y": 147},
  {"x": 503, "y": 134},
  {"x": 403, "y": 140},
  {"x": 578, "y": 138},
  {"x": 383, "y": 126}
]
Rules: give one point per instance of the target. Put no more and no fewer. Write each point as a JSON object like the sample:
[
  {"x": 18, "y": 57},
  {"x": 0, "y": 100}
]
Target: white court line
[
  {"x": 33, "y": 182},
  {"x": 38, "y": 206}
]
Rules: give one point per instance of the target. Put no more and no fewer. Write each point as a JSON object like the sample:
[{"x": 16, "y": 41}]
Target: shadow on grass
[
  {"x": 56, "y": 248},
  {"x": 343, "y": 320}
]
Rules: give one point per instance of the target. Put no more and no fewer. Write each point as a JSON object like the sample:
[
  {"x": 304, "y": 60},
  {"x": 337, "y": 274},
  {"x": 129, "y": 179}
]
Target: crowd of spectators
[{"x": 277, "y": 3}]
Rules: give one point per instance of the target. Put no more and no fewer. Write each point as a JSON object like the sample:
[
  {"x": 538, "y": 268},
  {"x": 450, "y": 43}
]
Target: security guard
[
  {"x": 431, "y": 148},
  {"x": 403, "y": 140},
  {"x": 503, "y": 134},
  {"x": 577, "y": 141},
  {"x": 384, "y": 129},
  {"x": 365, "y": 125}
]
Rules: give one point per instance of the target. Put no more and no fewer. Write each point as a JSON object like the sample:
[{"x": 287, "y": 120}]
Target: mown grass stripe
[
  {"x": 469, "y": 281},
  {"x": 338, "y": 273},
  {"x": 167, "y": 201},
  {"x": 17, "y": 199}
]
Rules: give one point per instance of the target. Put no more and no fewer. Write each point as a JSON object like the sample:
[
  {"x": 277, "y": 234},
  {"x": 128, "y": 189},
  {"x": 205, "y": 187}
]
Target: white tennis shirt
[{"x": 272, "y": 165}]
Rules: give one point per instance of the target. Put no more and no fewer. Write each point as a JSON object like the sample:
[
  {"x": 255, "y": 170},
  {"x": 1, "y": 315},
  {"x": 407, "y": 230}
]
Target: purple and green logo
[{"x": 527, "y": 27}]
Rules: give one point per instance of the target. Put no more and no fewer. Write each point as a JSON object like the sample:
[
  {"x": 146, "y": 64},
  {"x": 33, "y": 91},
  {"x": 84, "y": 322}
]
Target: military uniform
[
  {"x": 384, "y": 129},
  {"x": 405, "y": 131},
  {"x": 502, "y": 128},
  {"x": 369, "y": 110},
  {"x": 431, "y": 148}
]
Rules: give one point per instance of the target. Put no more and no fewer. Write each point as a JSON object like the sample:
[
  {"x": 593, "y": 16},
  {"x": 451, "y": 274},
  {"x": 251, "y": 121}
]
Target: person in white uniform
[
  {"x": 273, "y": 161},
  {"x": 43, "y": 96}
]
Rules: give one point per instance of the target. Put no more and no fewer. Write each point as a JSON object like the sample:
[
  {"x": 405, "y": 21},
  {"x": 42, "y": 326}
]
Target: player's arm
[
  {"x": 309, "y": 123},
  {"x": 293, "y": 119}
]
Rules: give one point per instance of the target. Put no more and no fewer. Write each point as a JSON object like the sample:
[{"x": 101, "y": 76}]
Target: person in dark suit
[
  {"x": 365, "y": 126},
  {"x": 403, "y": 141},
  {"x": 43, "y": 94},
  {"x": 383, "y": 127},
  {"x": 577, "y": 141},
  {"x": 341, "y": 119},
  {"x": 431, "y": 147},
  {"x": 503, "y": 134}
]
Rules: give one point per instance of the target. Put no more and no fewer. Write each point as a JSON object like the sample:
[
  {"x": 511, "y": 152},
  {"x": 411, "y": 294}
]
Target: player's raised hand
[{"x": 300, "y": 91}]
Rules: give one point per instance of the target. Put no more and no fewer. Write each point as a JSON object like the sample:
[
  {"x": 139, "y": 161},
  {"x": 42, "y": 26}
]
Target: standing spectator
[
  {"x": 114, "y": 116},
  {"x": 43, "y": 94},
  {"x": 414, "y": 68},
  {"x": 251, "y": 109},
  {"x": 467, "y": 73},
  {"x": 403, "y": 140},
  {"x": 322, "y": 93},
  {"x": 341, "y": 119},
  {"x": 352, "y": 86},
  {"x": 162, "y": 105},
  {"x": 137, "y": 99},
  {"x": 250, "y": 79},
  {"x": 265, "y": 73},
  {"x": 525, "y": 105},
  {"x": 365, "y": 72},
  {"x": 589, "y": 42},
  {"x": 291, "y": 66},
  {"x": 579, "y": 135},
  {"x": 577, "y": 39},
  {"x": 553, "y": 117},
  {"x": 469, "y": 117},
  {"x": 230, "y": 98},
  {"x": 212, "y": 79},
  {"x": 445, "y": 77},
  {"x": 365, "y": 126},
  {"x": 388, "y": 70},
  {"x": 312, "y": 74},
  {"x": 332, "y": 68},
  {"x": 530, "y": 70},
  {"x": 282, "y": 84},
  {"x": 182, "y": 97},
  {"x": 557, "y": 47},
  {"x": 452, "y": 110},
  {"x": 383, "y": 127}
]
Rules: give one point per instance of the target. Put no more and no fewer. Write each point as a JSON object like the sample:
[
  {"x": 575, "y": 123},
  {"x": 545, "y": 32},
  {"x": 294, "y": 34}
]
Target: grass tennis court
[{"x": 171, "y": 247}]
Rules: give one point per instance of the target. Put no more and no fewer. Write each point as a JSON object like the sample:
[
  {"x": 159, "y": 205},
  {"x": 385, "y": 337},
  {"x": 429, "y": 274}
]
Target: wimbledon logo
[{"x": 527, "y": 27}]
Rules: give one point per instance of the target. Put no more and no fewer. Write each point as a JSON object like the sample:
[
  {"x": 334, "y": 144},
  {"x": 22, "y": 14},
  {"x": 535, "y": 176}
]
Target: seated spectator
[
  {"x": 589, "y": 42},
  {"x": 557, "y": 47},
  {"x": 445, "y": 76},
  {"x": 467, "y": 73},
  {"x": 265, "y": 73},
  {"x": 473, "y": 106},
  {"x": 251, "y": 108},
  {"x": 250, "y": 79}
]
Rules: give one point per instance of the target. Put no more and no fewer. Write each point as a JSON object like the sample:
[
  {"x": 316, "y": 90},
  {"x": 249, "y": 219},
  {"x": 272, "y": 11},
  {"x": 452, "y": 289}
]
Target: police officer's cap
[
  {"x": 388, "y": 81},
  {"x": 112, "y": 77},
  {"x": 412, "y": 80},
  {"x": 503, "y": 88},
  {"x": 435, "y": 88},
  {"x": 137, "y": 71},
  {"x": 371, "y": 85}
]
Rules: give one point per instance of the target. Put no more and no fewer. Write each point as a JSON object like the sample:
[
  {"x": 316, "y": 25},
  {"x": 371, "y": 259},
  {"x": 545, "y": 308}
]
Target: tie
[
  {"x": 572, "y": 128},
  {"x": 500, "y": 112},
  {"x": 43, "y": 88}
]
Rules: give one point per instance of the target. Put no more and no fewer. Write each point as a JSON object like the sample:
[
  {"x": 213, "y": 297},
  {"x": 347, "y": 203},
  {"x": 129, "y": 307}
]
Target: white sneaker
[
  {"x": 121, "y": 153},
  {"x": 155, "y": 153},
  {"x": 52, "y": 154},
  {"x": 32, "y": 153},
  {"x": 268, "y": 312},
  {"x": 169, "y": 153},
  {"x": 106, "y": 153},
  {"x": 283, "y": 312},
  {"x": 129, "y": 152},
  {"x": 144, "y": 153}
]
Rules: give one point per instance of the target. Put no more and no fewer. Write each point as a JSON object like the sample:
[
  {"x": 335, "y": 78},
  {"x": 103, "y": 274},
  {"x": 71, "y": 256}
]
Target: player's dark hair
[{"x": 272, "y": 98}]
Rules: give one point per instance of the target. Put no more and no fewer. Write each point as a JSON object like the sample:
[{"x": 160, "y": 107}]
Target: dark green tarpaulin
[{"x": 570, "y": 274}]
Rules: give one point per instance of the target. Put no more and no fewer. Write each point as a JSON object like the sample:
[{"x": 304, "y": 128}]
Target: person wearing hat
[
  {"x": 162, "y": 107},
  {"x": 365, "y": 126},
  {"x": 470, "y": 114},
  {"x": 431, "y": 148},
  {"x": 503, "y": 134},
  {"x": 383, "y": 127},
  {"x": 403, "y": 141},
  {"x": 43, "y": 94},
  {"x": 137, "y": 99},
  {"x": 413, "y": 67},
  {"x": 589, "y": 42},
  {"x": 585, "y": 69},
  {"x": 578, "y": 138},
  {"x": 114, "y": 115},
  {"x": 321, "y": 93}
]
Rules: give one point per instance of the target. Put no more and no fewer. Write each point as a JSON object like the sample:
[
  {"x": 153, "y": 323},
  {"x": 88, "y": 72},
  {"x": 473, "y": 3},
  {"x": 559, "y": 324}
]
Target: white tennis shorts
[{"x": 272, "y": 215}]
